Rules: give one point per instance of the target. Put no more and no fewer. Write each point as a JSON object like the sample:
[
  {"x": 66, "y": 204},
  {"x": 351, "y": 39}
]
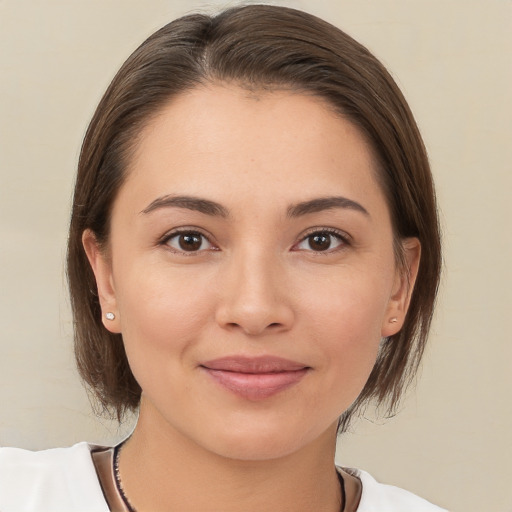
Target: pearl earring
[
  {"x": 393, "y": 320},
  {"x": 110, "y": 316}
]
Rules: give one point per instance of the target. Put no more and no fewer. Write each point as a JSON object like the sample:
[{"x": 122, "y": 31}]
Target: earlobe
[
  {"x": 402, "y": 288},
  {"x": 102, "y": 269}
]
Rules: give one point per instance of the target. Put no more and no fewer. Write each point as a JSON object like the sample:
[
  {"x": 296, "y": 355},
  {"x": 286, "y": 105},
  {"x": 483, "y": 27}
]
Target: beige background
[{"x": 451, "y": 443}]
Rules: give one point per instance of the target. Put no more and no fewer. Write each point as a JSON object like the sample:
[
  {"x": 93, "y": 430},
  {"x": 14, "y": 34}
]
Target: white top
[{"x": 64, "y": 480}]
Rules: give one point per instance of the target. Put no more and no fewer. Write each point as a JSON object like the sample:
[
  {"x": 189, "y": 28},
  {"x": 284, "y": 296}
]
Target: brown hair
[{"x": 255, "y": 46}]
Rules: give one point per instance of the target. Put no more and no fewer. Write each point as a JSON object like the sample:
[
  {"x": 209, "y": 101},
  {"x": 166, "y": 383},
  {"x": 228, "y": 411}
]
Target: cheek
[
  {"x": 345, "y": 322},
  {"x": 351, "y": 305},
  {"x": 161, "y": 311},
  {"x": 162, "y": 317}
]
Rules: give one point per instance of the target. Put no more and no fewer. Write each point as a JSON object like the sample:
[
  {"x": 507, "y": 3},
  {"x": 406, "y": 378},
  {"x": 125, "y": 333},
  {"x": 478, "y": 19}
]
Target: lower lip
[{"x": 256, "y": 386}]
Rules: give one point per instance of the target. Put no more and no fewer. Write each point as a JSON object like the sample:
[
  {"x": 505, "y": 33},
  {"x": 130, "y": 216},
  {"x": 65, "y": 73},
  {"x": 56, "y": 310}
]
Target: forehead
[{"x": 224, "y": 137}]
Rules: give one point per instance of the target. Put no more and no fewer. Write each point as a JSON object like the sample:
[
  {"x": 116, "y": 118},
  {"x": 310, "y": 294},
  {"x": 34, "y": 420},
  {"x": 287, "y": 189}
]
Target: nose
[{"x": 255, "y": 296}]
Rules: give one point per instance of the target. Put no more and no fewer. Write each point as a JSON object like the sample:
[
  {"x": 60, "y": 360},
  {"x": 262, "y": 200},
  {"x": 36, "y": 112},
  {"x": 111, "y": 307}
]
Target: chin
[
  {"x": 263, "y": 442},
  {"x": 256, "y": 448}
]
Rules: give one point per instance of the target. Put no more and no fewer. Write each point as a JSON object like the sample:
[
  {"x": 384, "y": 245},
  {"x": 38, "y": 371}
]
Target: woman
[{"x": 253, "y": 256}]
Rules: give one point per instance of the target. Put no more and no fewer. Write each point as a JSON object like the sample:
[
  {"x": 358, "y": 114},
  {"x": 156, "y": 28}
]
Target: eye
[
  {"x": 188, "y": 241},
  {"x": 322, "y": 241}
]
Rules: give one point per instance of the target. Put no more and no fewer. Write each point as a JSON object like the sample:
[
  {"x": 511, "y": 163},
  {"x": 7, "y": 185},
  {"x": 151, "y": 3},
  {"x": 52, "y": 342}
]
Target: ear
[
  {"x": 102, "y": 268},
  {"x": 402, "y": 287}
]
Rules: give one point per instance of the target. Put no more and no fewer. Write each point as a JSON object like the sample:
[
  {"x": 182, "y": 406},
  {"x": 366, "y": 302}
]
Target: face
[{"x": 251, "y": 270}]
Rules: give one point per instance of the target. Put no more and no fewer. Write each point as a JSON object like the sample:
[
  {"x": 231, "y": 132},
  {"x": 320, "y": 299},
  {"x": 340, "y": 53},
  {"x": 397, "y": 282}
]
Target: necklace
[
  {"x": 131, "y": 508},
  {"x": 117, "y": 478}
]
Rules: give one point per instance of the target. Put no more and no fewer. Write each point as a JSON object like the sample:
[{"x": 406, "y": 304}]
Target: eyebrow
[
  {"x": 190, "y": 203},
  {"x": 215, "y": 209},
  {"x": 325, "y": 203}
]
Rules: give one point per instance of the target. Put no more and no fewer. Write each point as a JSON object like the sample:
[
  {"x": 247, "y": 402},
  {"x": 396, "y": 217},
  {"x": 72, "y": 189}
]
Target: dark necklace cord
[
  {"x": 117, "y": 478},
  {"x": 130, "y": 508}
]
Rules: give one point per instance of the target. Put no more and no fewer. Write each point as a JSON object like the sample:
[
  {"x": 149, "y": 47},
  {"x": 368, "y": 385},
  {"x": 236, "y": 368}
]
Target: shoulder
[
  {"x": 377, "y": 497},
  {"x": 60, "y": 479}
]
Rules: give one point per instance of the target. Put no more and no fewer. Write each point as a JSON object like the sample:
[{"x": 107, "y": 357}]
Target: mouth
[{"x": 255, "y": 378}]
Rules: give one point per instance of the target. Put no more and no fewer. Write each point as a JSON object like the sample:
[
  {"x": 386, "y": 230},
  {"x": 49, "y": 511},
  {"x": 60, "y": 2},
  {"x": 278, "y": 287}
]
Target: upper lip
[{"x": 261, "y": 364}]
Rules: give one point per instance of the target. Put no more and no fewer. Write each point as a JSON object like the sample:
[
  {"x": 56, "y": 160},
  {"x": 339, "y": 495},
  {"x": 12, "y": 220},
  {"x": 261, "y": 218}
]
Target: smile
[{"x": 255, "y": 378}]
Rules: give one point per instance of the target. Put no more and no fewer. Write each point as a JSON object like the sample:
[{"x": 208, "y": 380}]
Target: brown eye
[
  {"x": 189, "y": 241},
  {"x": 320, "y": 241}
]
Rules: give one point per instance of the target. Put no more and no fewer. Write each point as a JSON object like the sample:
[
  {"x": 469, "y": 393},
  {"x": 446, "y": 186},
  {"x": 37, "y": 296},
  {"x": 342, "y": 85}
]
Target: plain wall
[{"x": 451, "y": 442}]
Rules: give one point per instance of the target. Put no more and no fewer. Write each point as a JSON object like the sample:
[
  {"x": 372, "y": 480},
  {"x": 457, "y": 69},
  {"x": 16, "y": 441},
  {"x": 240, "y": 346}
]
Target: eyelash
[
  {"x": 184, "y": 231},
  {"x": 341, "y": 237}
]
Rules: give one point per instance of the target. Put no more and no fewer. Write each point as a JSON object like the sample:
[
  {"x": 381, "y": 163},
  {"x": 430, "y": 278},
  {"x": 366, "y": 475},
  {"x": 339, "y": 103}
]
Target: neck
[{"x": 163, "y": 470}]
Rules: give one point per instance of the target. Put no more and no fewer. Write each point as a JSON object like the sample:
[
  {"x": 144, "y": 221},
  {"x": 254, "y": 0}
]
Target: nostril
[{"x": 254, "y": 319}]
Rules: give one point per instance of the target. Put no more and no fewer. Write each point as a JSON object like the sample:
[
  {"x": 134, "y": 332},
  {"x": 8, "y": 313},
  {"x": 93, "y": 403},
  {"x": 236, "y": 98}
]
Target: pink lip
[{"x": 255, "y": 378}]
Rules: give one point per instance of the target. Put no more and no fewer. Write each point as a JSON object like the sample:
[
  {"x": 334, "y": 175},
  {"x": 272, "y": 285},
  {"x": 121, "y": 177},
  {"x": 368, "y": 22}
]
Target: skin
[{"x": 256, "y": 285}]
